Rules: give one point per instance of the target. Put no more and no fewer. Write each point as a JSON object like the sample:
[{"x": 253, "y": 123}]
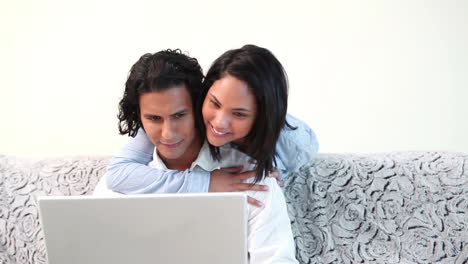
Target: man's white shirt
[{"x": 270, "y": 238}]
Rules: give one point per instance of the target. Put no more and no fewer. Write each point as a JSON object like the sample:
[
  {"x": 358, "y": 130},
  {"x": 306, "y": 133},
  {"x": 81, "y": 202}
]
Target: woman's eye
[
  {"x": 214, "y": 103},
  {"x": 239, "y": 114}
]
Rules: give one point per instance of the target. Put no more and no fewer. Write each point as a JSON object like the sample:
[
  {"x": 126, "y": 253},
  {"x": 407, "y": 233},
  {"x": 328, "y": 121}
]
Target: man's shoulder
[
  {"x": 270, "y": 182},
  {"x": 271, "y": 198}
]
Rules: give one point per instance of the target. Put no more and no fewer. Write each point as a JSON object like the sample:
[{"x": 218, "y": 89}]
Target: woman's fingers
[
  {"x": 275, "y": 174},
  {"x": 249, "y": 187},
  {"x": 254, "y": 202},
  {"x": 244, "y": 175},
  {"x": 236, "y": 169}
]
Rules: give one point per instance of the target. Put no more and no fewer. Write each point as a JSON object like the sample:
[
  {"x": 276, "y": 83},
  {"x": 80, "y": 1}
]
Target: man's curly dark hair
[{"x": 155, "y": 73}]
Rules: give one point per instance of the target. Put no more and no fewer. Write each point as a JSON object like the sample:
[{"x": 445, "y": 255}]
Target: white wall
[{"x": 368, "y": 76}]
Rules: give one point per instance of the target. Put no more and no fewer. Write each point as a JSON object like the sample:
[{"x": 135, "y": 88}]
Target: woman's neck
[{"x": 241, "y": 144}]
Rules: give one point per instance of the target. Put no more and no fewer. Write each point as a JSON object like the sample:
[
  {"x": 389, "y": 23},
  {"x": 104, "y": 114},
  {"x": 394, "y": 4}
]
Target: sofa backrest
[{"x": 400, "y": 207}]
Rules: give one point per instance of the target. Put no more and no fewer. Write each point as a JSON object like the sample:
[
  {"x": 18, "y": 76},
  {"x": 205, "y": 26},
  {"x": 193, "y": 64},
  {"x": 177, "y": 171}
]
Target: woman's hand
[
  {"x": 275, "y": 174},
  {"x": 231, "y": 180}
]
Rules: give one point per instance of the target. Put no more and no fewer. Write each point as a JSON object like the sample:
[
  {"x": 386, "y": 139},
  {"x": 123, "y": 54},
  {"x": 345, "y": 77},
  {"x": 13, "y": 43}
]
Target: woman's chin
[{"x": 217, "y": 142}]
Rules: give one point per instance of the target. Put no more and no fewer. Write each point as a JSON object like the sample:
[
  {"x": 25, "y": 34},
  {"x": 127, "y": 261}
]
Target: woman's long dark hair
[{"x": 265, "y": 76}]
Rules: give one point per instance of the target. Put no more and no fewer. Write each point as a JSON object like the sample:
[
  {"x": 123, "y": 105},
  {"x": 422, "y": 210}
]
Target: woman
[
  {"x": 230, "y": 117},
  {"x": 160, "y": 95}
]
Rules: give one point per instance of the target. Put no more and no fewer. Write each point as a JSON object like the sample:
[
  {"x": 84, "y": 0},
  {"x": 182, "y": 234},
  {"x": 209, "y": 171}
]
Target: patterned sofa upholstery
[{"x": 399, "y": 207}]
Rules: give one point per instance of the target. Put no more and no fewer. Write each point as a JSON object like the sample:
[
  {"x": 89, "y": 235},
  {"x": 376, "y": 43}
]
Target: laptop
[{"x": 204, "y": 228}]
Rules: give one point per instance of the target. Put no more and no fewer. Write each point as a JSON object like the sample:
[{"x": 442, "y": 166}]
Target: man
[{"x": 160, "y": 95}]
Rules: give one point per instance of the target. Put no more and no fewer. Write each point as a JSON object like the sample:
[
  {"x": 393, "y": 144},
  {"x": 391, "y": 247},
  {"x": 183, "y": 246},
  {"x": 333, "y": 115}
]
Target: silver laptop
[{"x": 208, "y": 228}]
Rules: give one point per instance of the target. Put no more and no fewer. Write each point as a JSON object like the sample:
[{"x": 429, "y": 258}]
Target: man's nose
[{"x": 168, "y": 131}]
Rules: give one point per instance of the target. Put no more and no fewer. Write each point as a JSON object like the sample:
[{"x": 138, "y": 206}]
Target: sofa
[{"x": 397, "y": 207}]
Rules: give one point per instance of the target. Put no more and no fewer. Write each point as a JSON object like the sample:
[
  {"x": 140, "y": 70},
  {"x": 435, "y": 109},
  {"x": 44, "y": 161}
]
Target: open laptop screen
[{"x": 167, "y": 228}]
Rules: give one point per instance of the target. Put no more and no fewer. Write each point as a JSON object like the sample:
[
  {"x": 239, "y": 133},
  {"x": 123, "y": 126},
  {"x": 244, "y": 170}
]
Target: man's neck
[{"x": 186, "y": 160}]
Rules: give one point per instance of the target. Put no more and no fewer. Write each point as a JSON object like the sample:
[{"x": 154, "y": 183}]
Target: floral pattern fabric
[
  {"x": 399, "y": 207},
  {"x": 21, "y": 182},
  {"x": 405, "y": 207}
]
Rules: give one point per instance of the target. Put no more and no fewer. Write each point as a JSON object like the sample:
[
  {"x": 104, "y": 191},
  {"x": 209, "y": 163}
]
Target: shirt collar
[
  {"x": 204, "y": 160},
  {"x": 157, "y": 161}
]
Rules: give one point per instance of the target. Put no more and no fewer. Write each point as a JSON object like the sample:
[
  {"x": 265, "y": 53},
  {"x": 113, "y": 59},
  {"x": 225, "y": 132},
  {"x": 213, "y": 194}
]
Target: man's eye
[
  {"x": 177, "y": 116},
  {"x": 154, "y": 118}
]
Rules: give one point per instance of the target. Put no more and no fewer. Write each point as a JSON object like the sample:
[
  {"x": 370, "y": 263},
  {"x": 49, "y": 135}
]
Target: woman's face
[{"x": 229, "y": 111}]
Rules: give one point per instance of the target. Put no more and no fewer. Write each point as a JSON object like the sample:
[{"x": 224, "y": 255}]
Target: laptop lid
[{"x": 167, "y": 228}]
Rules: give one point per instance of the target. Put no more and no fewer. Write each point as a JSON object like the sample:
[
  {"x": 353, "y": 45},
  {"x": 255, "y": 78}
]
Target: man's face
[{"x": 169, "y": 121}]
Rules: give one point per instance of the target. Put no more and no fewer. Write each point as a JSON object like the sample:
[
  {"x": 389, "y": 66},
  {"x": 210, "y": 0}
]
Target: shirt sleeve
[
  {"x": 295, "y": 147},
  {"x": 270, "y": 238},
  {"x": 128, "y": 172}
]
